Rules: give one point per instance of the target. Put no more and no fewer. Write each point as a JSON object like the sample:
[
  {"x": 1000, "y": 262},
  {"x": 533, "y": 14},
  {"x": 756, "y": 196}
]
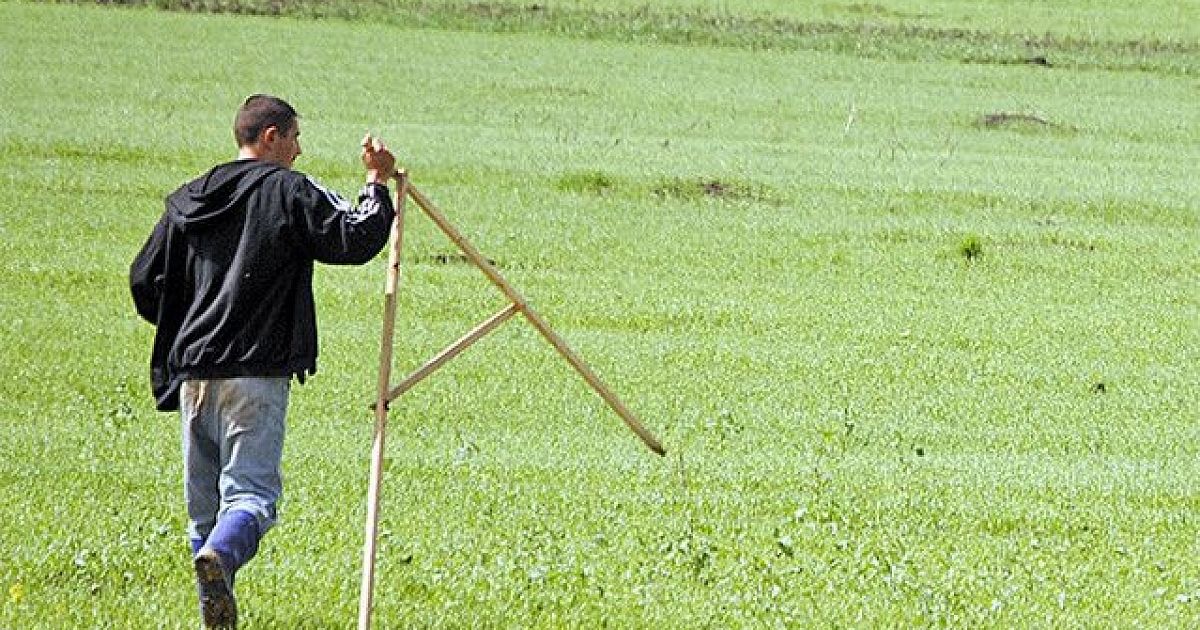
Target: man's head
[{"x": 267, "y": 128}]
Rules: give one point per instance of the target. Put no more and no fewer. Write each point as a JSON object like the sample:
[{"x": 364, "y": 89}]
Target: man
[{"x": 226, "y": 278}]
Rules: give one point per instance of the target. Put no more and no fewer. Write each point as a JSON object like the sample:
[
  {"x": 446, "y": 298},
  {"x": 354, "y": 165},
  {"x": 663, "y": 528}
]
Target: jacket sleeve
[
  {"x": 148, "y": 271},
  {"x": 336, "y": 232}
]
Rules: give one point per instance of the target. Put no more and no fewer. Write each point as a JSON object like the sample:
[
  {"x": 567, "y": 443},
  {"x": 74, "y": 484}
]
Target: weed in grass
[
  {"x": 971, "y": 248},
  {"x": 589, "y": 182}
]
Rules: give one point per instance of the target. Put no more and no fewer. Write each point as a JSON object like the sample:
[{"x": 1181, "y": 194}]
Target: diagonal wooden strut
[
  {"x": 536, "y": 320},
  {"x": 452, "y": 351}
]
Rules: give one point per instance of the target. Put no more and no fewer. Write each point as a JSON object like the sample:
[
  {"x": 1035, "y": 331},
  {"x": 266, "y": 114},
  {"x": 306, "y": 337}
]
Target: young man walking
[{"x": 226, "y": 278}]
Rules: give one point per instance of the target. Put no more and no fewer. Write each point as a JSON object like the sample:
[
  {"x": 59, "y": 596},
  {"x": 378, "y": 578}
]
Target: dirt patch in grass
[
  {"x": 721, "y": 189},
  {"x": 879, "y": 11},
  {"x": 725, "y": 189},
  {"x": 1021, "y": 121},
  {"x": 1000, "y": 119},
  {"x": 452, "y": 258}
]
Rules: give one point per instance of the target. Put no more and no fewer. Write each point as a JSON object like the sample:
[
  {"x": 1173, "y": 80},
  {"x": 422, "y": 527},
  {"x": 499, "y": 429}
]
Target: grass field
[{"x": 914, "y": 314}]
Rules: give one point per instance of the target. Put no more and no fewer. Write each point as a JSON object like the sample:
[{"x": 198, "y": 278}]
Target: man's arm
[
  {"x": 337, "y": 233},
  {"x": 340, "y": 234}
]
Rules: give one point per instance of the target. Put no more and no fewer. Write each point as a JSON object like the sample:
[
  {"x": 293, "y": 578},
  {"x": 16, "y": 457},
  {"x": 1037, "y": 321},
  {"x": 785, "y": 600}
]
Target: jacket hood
[{"x": 210, "y": 197}]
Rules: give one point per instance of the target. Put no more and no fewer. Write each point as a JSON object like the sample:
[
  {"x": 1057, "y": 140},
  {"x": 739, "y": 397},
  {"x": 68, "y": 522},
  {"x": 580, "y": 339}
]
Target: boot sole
[{"x": 217, "y": 605}]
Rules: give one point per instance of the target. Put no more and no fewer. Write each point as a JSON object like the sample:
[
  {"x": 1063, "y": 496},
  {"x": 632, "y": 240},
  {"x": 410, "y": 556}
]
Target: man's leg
[
  {"x": 201, "y": 460},
  {"x": 251, "y": 414},
  {"x": 201, "y": 432}
]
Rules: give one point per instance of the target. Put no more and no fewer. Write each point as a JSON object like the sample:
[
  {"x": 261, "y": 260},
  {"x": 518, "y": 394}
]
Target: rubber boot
[
  {"x": 218, "y": 607},
  {"x": 235, "y": 538},
  {"x": 229, "y": 546}
]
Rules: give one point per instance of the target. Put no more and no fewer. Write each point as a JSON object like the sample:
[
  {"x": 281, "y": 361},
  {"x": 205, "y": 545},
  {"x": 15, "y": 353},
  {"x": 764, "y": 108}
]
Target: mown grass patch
[{"x": 877, "y": 31}]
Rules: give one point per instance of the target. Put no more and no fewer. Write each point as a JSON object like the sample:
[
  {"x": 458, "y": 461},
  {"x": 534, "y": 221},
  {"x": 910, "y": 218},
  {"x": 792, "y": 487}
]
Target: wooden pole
[
  {"x": 536, "y": 320},
  {"x": 367, "y": 594}
]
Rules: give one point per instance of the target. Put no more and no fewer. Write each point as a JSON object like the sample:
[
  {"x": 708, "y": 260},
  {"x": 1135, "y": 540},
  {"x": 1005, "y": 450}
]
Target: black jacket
[{"x": 226, "y": 275}]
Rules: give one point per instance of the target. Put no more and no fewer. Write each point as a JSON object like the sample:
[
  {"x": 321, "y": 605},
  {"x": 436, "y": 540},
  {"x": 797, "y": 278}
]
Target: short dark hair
[{"x": 259, "y": 112}]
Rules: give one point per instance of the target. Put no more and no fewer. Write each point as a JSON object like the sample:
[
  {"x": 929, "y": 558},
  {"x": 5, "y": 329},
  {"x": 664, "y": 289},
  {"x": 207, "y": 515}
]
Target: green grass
[
  {"x": 912, "y": 368},
  {"x": 1159, "y": 36}
]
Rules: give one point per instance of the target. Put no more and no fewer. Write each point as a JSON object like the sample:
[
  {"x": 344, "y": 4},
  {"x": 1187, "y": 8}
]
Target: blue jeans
[{"x": 232, "y": 446}]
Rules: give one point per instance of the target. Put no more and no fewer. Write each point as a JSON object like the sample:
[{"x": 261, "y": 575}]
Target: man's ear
[{"x": 269, "y": 135}]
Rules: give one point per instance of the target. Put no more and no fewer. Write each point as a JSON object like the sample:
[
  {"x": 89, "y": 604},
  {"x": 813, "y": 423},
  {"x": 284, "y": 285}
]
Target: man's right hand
[{"x": 379, "y": 161}]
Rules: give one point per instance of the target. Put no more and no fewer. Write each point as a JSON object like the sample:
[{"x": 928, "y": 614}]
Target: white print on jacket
[{"x": 367, "y": 205}]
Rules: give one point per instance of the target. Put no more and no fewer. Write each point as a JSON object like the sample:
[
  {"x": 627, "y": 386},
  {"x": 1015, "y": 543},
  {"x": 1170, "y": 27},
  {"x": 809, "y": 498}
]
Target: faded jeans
[{"x": 232, "y": 446}]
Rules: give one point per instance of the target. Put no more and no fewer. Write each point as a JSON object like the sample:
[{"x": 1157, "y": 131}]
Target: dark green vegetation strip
[{"x": 857, "y": 37}]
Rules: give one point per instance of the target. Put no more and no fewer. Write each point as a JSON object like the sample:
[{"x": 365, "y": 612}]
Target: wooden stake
[{"x": 366, "y": 599}]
